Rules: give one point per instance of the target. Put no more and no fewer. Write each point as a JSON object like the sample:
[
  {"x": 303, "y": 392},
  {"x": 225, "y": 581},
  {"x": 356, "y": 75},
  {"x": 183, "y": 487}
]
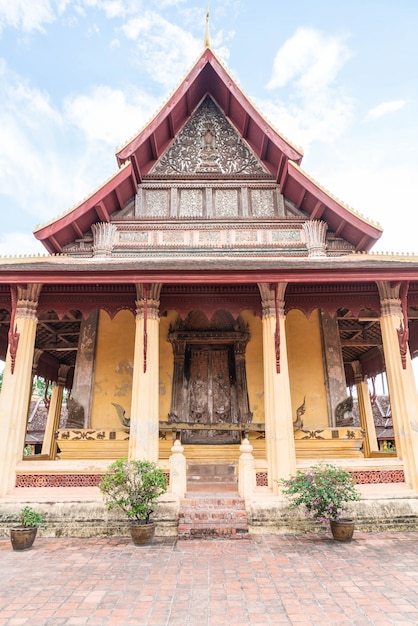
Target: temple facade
[{"x": 209, "y": 303}]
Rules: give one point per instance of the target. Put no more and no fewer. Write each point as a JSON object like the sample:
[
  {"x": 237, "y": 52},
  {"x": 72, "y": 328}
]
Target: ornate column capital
[
  {"x": 37, "y": 353},
  {"x": 315, "y": 232},
  {"x": 390, "y": 299},
  {"x": 27, "y": 301},
  {"x": 62, "y": 375},
  {"x": 357, "y": 371},
  {"x": 268, "y": 298},
  {"x": 148, "y": 301},
  {"x": 104, "y": 236}
]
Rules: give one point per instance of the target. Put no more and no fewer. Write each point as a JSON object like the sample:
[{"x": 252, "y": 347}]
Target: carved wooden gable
[
  {"x": 208, "y": 144},
  {"x": 207, "y": 194}
]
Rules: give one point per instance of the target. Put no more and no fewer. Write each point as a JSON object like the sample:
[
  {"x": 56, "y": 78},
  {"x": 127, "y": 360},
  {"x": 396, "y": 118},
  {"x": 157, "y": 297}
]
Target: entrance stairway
[{"x": 212, "y": 507}]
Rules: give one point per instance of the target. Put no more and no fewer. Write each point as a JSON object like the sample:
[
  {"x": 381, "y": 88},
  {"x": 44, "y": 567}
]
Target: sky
[{"x": 78, "y": 78}]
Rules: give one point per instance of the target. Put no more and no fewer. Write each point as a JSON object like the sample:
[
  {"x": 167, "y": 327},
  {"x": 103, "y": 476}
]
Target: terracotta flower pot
[
  {"x": 22, "y": 537},
  {"x": 343, "y": 529},
  {"x": 142, "y": 534}
]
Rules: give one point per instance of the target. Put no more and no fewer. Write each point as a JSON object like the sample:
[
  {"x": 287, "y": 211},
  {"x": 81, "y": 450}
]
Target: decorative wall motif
[
  {"x": 209, "y": 236},
  {"x": 191, "y": 203},
  {"x": 62, "y": 480},
  {"x": 279, "y": 236},
  {"x": 135, "y": 236},
  {"x": 365, "y": 477},
  {"x": 157, "y": 203},
  {"x": 208, "y": 144},
  {"x": 226, "y": 203},
  {"x": 246, "y": 236},
  {"x": 262, "y": 202}
]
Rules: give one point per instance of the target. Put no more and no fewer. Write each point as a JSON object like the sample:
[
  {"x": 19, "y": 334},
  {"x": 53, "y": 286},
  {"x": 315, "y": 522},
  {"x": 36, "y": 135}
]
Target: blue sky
[{"x": 80, "y": 77}]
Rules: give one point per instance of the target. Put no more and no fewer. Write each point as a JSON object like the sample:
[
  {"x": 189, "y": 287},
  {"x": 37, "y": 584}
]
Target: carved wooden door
[{"x": 211, "y": 394}]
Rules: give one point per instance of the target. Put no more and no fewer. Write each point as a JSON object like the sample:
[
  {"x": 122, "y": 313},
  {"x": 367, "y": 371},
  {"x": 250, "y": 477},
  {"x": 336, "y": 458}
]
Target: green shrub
[
  {"x": 133, "y": 487},
  {"x": 323, "y": 491}
]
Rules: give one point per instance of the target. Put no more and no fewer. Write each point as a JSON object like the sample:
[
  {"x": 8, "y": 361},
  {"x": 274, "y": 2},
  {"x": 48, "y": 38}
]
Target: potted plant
[
  {"x": 134, "y": 487},
  {"x": 323, "y": 491},
  {"x": 23, "y": 536}
]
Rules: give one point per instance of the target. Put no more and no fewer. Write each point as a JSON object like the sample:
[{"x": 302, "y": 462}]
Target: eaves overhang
[{"x": 98, "y": 206}]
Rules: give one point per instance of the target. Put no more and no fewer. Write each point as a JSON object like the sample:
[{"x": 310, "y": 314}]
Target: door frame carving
[{"x": 182, "y": 341}]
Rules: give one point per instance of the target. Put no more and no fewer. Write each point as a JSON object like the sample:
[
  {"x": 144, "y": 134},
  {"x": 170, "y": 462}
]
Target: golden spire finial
[{"x": 207, "y": 38}]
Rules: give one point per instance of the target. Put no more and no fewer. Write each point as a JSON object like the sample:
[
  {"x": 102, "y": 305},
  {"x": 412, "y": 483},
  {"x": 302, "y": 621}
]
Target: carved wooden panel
[
  {"x": 209, "y": 384},
  {"x": 211, "y": 395},
  {"x": 208, "y": 144}
]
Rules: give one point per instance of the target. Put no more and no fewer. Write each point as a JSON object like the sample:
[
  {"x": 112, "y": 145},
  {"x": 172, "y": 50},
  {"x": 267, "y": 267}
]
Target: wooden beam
[
  {"x": 280, "y": 166},
  {"x": 102, "y": 212},
  {"x": 318, "y": 210},
  {"x": 154, "y": 146},
  {"x": 264, "y": 147},
  {"x": 227, "y": 102},
  {"x": 55, "y": 243},
  {"x": 171, "y": 128},
  {"x": 340, "y": 228},
  {"x": 300, "y": 198},
  {"x": 245, "y": 125},
  {"x": 136, "y": 169},
  {"x": 356, "y": 343},
  {"x": 119, "y": 197},
  {"x": 79, "y": 233}
]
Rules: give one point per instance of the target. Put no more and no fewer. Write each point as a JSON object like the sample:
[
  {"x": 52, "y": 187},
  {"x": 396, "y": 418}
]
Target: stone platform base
[{"x": 80, "y": 512}]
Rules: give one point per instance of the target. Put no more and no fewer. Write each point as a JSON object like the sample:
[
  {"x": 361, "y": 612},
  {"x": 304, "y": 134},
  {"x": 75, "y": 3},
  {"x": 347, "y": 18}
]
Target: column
[
  {"x": 79, "y": 407},
  {"x": 334, "y": 366},
  {"x": 401, "y": 383},
  {"x": 280, "y": 444},
  {"x": 17, "y": 384},
  {"x": 143, "y": 440},
  {"x": 365, "y": 410},
  {"x": 49, "y": 446}
]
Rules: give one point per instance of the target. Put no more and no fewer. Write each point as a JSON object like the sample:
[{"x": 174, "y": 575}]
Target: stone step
[{"x": 212, "y": 517}]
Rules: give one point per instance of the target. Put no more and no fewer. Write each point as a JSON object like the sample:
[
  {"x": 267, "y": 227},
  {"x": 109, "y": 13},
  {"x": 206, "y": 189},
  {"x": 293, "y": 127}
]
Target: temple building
[{"x": 210, "y": 304}]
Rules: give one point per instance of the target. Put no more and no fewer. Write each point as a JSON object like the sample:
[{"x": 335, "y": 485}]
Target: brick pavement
[{"x": 270, "y": 579}]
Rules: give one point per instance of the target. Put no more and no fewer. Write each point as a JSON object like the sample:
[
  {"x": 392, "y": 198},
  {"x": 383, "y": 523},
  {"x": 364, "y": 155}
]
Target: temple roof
[{"x": 139, "y": 155}]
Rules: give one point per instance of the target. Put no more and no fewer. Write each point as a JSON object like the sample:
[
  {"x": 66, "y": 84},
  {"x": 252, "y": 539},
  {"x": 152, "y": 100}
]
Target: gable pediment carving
[{"x": 208, "y": 144}]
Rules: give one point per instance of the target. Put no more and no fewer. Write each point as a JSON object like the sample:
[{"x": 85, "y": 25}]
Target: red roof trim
[
  {"x": 194, "y": 82},
  {"x": 100, "y": 205}
]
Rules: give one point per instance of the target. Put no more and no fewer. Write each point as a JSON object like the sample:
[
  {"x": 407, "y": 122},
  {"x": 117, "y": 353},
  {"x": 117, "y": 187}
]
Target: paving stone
[{"x": 269, "y": 579}]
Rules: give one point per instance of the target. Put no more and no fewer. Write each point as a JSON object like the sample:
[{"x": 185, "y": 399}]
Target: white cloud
[
  {"x": 164, "y": 49},
  {"x": 29, "y": 15},
  {"x": 316, "y": 107},
  {"x": 51, "y": 158},
  {"x": 384, "y": 108},
  {"x": 17, "y": 243},
  {"x": 310, "y": 59},
  {"x": 110, "y": 115}
]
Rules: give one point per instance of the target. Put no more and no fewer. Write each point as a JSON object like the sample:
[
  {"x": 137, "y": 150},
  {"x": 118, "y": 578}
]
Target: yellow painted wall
[
  {"x": 113, "y": 368},
  {"x": 254, "y": 365},
  {"x": 166, "y": 364},
  {"x": 306, "y": 367}
]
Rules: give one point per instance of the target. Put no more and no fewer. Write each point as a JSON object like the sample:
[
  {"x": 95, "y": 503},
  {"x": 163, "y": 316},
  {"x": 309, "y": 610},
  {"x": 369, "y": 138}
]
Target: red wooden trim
[
  {"x": 102, "y": 212},
  {"x": 13, "y": 335},
  {"x": 403, "y": 330},
  {"x": 96, "y": 275}
]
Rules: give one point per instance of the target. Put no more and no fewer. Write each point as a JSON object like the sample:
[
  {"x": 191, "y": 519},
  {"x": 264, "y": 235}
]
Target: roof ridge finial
[{"x": 207, "y": 37}]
